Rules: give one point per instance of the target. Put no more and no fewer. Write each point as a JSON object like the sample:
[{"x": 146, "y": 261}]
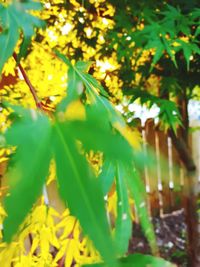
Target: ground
[{"x": 171, "y": 238}]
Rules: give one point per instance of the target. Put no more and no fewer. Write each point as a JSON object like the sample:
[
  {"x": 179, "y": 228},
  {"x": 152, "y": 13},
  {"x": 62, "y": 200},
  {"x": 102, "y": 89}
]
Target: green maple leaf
[
  {"x": 31, "y": 165},
  {"x": 81, "y": 191},
  {"x": 15, "y": 19},
  {"x": 78, "y": 187},
  {"x": 169, "y": 113}
]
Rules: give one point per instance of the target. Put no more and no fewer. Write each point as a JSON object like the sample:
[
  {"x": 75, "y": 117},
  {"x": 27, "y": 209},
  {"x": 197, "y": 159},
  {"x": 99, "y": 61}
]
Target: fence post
[{"x": 154, "y": 194}]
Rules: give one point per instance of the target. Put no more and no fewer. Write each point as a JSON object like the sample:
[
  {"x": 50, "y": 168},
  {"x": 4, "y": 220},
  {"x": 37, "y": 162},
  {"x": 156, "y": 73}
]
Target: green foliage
[
  {"x": 31, "y": 161},
  {"x": 81, "y": 191},
  {"x": 163, "y": 30},
  {"x": 168, "y": 113},
  {"x": 123, "y": 228},
  {"x": 137, "y": 190},
  {"x": 156, "y": 38},
  {"x": 162, "y": 35},
  {"x": 77, "y": 185},
  {"x": 106, "y": 176},
  {"x": 16, "y": 19},
  {"x": 86, "y": 132},
  {"x": 138, "y": 260}
]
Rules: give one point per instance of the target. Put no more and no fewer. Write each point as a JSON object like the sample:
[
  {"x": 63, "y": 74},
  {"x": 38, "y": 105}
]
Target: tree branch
[
  {"x": 28, "y": 82},
  {"x": 183, "y": 151}
]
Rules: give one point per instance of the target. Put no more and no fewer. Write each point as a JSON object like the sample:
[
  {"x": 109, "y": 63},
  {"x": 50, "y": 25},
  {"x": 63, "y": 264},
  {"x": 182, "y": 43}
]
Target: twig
[{"x": 31, "y": 87}]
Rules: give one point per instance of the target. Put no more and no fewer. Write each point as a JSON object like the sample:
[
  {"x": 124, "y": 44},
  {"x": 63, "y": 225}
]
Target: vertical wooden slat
[
  {"x": 146, "y": 172},
  {"x": 159, "y": 182},
  {"x": 153, "y": 181},
  {"x": 176, "y": 190},
  {"x": 164, "y": 175},
  {"x": 171, "y": 172}
]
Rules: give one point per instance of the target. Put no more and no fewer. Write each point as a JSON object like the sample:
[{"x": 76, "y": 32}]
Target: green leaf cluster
[
  {"x": 168, "y": 112},
  {"x": 138, "y": 260},
  {"x": 82, "y": 192},
  {"x": 164, "y": 35},
  {"x": 15, "y": 19}
]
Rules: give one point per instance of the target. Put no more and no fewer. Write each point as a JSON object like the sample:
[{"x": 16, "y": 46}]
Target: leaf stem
[{"x": 28, "y": 82}]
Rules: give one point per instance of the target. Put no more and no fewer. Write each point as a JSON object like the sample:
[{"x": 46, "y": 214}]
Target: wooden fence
[
  {"x": 166, "y": 181},
  {"x": 169, "y": 186}
]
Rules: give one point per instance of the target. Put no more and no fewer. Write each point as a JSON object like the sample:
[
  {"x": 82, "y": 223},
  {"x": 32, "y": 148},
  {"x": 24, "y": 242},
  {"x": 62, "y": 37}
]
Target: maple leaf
[{"x": 15, "y": 19}]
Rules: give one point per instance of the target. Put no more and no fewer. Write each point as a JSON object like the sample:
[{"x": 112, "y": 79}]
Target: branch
[
  {"x": 31, "y": 87},
  {"x": 183, "y": 151}
]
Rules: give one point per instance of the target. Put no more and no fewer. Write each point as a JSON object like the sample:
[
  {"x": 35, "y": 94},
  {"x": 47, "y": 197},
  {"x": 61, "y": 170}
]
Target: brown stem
[
  {"x": 180, "y": 142},
  {"x": 61, "y": 262},
  {"x": 31, "y": 87},
  {"x": 183, "y": 151},
  {"x": 183, "y": 108}
]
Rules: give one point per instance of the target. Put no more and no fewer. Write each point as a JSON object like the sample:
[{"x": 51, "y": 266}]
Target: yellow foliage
[
  {"x": 9, "y": 67},
  {"x": 153, "y": 84},
  {"x": 41, "y": 236},
  {"x": 75, "y": 111}
]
